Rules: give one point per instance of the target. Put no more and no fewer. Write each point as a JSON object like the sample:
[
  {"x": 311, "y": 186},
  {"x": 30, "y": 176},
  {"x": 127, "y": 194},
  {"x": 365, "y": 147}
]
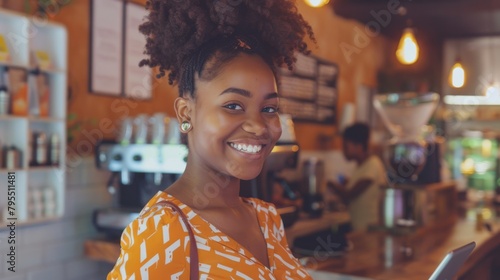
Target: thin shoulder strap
[{"x": 193, "y": 248}]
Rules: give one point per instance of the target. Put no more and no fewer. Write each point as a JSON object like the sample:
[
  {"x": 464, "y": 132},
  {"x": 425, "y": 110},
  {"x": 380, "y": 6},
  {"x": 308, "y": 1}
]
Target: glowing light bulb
[
  {"x": 457, "y": 75},
  {"x": 317, "y": 3},
  {"x": 407, "y": 52}
]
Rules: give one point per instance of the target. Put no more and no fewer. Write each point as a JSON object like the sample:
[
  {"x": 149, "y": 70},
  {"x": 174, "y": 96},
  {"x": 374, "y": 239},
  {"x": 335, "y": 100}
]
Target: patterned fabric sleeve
[{"x": 149, "y": 246}]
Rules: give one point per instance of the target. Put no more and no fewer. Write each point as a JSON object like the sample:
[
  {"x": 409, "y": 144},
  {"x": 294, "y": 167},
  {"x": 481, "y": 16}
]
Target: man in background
[{"x": 361, "y": 192}]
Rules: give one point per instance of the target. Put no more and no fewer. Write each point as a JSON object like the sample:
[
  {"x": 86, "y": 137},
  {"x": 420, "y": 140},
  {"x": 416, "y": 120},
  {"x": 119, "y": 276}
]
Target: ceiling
[{"x": 437, "y": 18}]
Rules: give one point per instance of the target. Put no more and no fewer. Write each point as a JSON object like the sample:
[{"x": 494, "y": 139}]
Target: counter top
[{"x": 415, "y": 255}]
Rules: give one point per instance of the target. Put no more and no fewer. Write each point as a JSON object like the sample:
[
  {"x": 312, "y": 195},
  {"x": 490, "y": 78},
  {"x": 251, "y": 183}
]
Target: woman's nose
[{"x": 256, "y": 125}]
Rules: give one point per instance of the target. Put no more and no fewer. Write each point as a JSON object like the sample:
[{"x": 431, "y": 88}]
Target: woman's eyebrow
[
  {"x": 239, "y": 91},
  {"x": 272, "y": 95},
  {"x": 247, "y": 93}
]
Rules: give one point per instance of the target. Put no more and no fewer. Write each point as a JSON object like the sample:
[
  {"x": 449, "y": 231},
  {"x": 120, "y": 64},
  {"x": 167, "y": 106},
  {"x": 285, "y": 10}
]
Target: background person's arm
[{"x": 348, "y": 195}]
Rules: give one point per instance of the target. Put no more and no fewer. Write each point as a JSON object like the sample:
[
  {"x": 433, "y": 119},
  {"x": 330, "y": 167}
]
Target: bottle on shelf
[
  {"x": 54, "y": 150},
  {"x": 39, "y": 149},
  {"x": 18, "y": 87},
  {"x": 4, "y": 101},
  {"x": 43, "y": 95},
  {"x": 34, "y": 103},
  {"x": 13, "y": 159}
]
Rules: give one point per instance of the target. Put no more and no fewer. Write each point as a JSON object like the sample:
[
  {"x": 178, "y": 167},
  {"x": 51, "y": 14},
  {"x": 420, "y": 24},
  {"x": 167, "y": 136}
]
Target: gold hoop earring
[{"x": 185, "y": 126}]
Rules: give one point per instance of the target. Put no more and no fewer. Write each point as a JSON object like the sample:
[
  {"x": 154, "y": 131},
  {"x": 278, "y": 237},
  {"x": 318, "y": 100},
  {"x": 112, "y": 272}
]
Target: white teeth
[{"x": 251, "y": 149}]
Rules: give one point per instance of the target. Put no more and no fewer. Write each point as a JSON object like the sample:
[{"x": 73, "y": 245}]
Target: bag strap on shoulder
[{"x": 193, "y": 248}]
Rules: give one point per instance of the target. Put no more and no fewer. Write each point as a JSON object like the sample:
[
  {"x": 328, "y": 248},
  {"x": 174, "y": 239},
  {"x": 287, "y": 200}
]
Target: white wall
[{"x": 54, "y": 251}]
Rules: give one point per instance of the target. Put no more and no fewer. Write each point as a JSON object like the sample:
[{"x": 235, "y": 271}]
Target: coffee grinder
[{"x": 406, "y": 154}]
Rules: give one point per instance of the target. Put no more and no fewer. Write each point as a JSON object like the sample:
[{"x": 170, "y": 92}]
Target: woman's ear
[{"x": 183, "y": 109}]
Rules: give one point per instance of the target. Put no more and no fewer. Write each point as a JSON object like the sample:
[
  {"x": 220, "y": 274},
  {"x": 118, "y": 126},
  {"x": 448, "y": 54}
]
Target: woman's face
[{"x": 235, "y": 118}]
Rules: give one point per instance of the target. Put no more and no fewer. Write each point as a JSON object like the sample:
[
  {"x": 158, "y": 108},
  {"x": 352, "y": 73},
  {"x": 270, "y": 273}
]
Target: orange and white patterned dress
[{"x": 156, "y": 246}]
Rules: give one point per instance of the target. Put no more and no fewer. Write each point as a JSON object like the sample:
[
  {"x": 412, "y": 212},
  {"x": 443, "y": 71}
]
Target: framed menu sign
[
  {"x": 106, "y": 47},
  {"x": 137, "y": 80}
]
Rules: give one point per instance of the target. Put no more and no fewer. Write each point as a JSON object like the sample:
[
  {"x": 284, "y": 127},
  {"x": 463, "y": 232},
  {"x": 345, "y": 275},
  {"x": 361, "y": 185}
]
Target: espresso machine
[{"x": 146, "y": 157}]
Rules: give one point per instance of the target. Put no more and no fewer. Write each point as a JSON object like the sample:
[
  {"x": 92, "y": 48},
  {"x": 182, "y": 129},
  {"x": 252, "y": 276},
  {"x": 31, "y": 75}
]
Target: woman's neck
[{"x": 202, "y": 188}]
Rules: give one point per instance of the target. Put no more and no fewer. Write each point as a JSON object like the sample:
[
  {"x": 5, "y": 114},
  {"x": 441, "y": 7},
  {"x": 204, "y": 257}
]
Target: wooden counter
[
  {"x": 379, "y": 255},
  {"x": 109, "y": 250}
]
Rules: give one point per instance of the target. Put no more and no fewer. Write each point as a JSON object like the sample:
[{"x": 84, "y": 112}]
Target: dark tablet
[{"x": 452, "y": 262}]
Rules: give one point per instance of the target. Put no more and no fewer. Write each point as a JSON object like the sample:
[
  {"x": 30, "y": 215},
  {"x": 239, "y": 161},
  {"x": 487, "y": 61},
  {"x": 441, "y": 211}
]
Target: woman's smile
[{"x": 246, "y": 148}]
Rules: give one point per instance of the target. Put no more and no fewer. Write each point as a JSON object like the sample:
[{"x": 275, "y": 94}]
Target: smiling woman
[{"x": 223, "y": 55}]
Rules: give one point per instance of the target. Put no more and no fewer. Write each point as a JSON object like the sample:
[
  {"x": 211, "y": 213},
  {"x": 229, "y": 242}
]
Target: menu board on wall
[
  {"x": 309, "y": 92},
  {"x": 138, "y": 80},
  {"x": 106, "y": 55}
]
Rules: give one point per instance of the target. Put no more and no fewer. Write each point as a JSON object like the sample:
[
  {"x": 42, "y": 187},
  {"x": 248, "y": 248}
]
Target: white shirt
[{"x": 365, "y": 208}]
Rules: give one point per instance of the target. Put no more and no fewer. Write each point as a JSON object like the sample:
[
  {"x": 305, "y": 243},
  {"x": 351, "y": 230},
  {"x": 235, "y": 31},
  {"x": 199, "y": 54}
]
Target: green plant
[
  {"x": 45, "y": 6},
  {"x": 74, "y": 125}
]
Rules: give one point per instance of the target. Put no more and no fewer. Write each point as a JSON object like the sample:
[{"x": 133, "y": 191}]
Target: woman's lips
[{"x": 246, "y": 148}]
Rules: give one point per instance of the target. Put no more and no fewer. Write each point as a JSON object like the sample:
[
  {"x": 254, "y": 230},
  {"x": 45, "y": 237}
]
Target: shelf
[
  {"x": 44, "y": 168},
  {"x": 49, "y": 71},
  {"x": 5, "y": 170},
  {"x": 45, "y": 119},
  {"x": 3, "y": 223},
  {"x": 13, "y": 65},
  {"x": 17, "y": 129},
  {"x": 12, "y": 118}
]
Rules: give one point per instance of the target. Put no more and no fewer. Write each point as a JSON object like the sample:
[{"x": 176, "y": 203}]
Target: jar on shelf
[
  {"x": 35, "y": 206},
  {"x": 49, "y": 201}
]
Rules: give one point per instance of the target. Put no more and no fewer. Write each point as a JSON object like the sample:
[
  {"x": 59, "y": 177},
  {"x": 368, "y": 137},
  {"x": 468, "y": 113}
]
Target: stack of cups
[{"x": 35, "y": 206}]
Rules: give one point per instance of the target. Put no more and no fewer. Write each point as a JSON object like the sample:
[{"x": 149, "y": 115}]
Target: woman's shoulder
[
  {"x": 157, "y": 213},
  {"x": 154, "y": 219}
]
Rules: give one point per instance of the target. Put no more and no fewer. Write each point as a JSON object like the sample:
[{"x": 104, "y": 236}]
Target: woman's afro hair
[{"x": 176, "y": 30}]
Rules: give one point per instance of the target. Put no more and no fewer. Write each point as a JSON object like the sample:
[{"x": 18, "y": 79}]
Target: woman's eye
[
  {"x": 270, "y": 109},
  {"x": 233, "y": 106}
]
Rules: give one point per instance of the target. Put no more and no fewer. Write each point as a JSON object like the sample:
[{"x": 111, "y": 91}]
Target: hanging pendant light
[
  {"x": 317, "y": 3},
  {"x": 407, "y": 52},
  {"x": 457, "y": 75}
]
